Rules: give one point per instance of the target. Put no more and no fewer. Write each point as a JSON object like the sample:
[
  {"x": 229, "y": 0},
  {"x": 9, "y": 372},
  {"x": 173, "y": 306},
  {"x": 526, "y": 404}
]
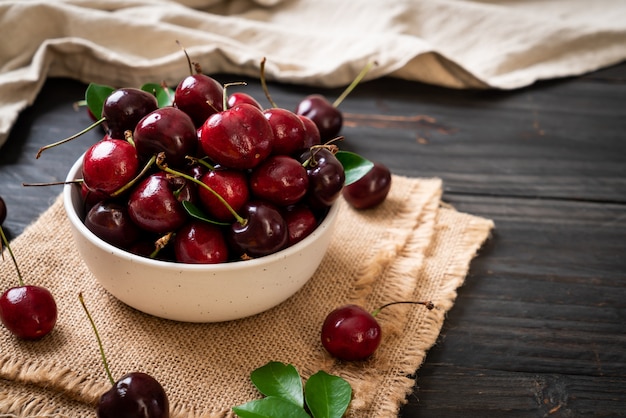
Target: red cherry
[
  {"x": 108, "y": 165},
  {"x": 239, "y": 137},
  {"x": 328, "y": 118},
  {"x": 370, "y": 190},
  {"x": 239, "y": 98},
  {"x": 110, "y": 222},
  {"x": 123, "y": 108},
  {"x": 231, "y": 185},
  {"x": 301, "y": 221},
  {"x": 29, "y": 312},
  {"x": 264, "y": 232},
  {"x": 168, "y": 130},
  {"x": 288, "y": 129},
  {"x": 134, "y": 395},
  {"x": 280, "y": 179},
  {"x": 311, "y": 132},
  {"x": 199, "y": 96},
  {"x": 350, "y": 333},
  {"x": 199, "y": 242}
]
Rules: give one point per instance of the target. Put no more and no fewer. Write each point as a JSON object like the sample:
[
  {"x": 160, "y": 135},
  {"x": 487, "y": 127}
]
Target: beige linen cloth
[
  {"x": 502, "y": 44},
  {"x": 412, "y": 247}
]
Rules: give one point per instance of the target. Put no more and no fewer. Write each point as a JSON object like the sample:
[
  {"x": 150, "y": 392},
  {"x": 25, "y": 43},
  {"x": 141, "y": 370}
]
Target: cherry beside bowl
[{"x": 193, "y": 292}]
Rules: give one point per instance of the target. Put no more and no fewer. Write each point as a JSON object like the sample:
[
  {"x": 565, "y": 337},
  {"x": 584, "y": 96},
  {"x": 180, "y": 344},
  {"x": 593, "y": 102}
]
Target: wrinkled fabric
[{"x": 503, "y": 44}]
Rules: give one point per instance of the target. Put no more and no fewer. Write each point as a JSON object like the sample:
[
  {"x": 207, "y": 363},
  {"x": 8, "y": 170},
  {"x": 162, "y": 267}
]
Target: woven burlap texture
[{"x": 410, "y": 247}]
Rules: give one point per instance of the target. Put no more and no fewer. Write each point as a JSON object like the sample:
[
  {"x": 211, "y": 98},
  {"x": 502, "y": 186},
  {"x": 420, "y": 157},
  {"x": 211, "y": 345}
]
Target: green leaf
[
  {"x": 95, "y": 96},
  {"x": 327, "y": 396},
  {"x": 270, "y": 407},
  {"x": 354, "y": 165},
  {"x": 195, "y": 212},
  {"x": 164, "y": 96},
  {"x": 280, "y": 380}
]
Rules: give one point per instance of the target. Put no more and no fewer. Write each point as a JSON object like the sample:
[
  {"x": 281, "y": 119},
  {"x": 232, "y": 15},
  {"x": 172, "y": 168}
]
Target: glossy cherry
[
  {"x": 351, "y": 333},
  {"x": 123, "y": 108},
  {"x": 231, "y": 185},
  {"x": 311, "y": 133},
  {"x": 371, "y": 189},
  {"x": 326, "y": 177},
  {"x": 154, "y": 205},
  {"x": 301, "y": 222},
  {"x": 199, "y": 96},
  {"x": 199, "y": 242},
  {"x": 288, "y": 129},
  {"x": 280, "y": 179},
  {"x": 168, "y": 130},
  {"x": 28, "y": 312},
  {"x": 327, "y": 118},
  {"x": 263, "y": 232},
  {"x": 108, "y": 165},
  {"x": 134, "y": 395},
  {"x": 239, "y": 137},
  {"x": 110, "y": 221},
  {"x": 238, "y": 98}
]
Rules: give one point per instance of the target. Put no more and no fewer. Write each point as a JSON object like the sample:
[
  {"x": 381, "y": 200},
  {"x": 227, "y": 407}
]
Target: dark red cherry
[
  {"x": 328, "y": 118},
  {"x": 199, "y": 96},
  {"x": 280, "y": 179},
  {"x": 264, "y": 232},
  {"x": 3, "y": 210},
  {"x": 123, "y": 108},
  {"x": 108, "y": 165},
  {"x": 301, "y": 222},
  {"x": 239, "y": 137},
  {"x": 350, "y": 333},
  {"x": 288, "y": 129},
  {"x": 371, "y": 189},
  {"x": 326, "y": 177},
  {"x": 311, "y": 132},
  {"x": 154, "y": 205},
  {"x": 199, "y": 242},
  {"x": 111, "y": 222},
  {"x": 29, "y": 312},
  {"x": 230, "y": 185},
  {"x": 168, "y": 130},
  {"x": 134, "y": 395},
  {"x": 239, "y": 98}
]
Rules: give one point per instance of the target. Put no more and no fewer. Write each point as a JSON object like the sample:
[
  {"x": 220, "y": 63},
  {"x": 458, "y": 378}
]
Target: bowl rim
[{"x": 70, "y": 187}]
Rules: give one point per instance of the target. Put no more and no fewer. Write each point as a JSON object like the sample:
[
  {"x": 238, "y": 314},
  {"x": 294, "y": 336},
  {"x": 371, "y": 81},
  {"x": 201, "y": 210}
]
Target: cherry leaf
[
  {"x": 95, "y": 96},
  {"x": 195, "y": 212},
  {"x": 327, "y": 396},
  {"x": 280, "y": 380},
  {"x": 270, "y": 407},
  {"x": 164, "y": 96},
  {"x": 354, "y": 165}
]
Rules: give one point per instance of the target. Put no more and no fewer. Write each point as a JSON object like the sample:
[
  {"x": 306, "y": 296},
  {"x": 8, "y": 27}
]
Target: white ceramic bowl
[{"x": 191, "y": 292}]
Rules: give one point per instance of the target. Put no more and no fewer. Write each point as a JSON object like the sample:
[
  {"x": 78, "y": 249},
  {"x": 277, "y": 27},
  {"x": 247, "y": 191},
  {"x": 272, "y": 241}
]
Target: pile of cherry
[{"x": 213, "y": 177}]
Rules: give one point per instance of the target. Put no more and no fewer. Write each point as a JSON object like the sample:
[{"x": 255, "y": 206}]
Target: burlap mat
[{"x": 411, "y": 247}]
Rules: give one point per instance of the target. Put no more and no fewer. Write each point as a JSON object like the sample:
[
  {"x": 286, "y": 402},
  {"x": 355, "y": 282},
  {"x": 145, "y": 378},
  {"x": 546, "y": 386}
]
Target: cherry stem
[
  {"x": 428, "y": 304},
  {"x": 264, "y": 84},
  {"x": 354, "y": 83},
  {"x": 143, "y": 171},
  {"x": 100, "y": 346},
  {"x": 53, "y": 183},
  {"x": 160, "y": 162},
  {"x": 186, "y": 55},
  {"x": 200, "y": 161},
  {"x": 6, "y": 243},
  {"x": 315, "y": 149},
  {"x": 76, "y": 135},
  {"x": 225, "y": 96}
]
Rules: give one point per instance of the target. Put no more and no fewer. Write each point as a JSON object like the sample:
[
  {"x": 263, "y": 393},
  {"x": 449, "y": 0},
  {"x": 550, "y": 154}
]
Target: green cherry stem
[
  {"x": 143, "y": 171},
  {"x": 5, "y": 241},
  {"x": 100, "y": 346},
  {"x": 160, "y": 162},
  {"x": 428, "y": 304},
  {"x": 354, "y": 83},
  {"x": 225, "y": 96},
  {"x": 69, "y": 138},
  {"x": 266, "y": 90}
]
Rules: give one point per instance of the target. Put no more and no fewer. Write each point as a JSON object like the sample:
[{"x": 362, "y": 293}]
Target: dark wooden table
[{"x": 539, "y": 327}]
